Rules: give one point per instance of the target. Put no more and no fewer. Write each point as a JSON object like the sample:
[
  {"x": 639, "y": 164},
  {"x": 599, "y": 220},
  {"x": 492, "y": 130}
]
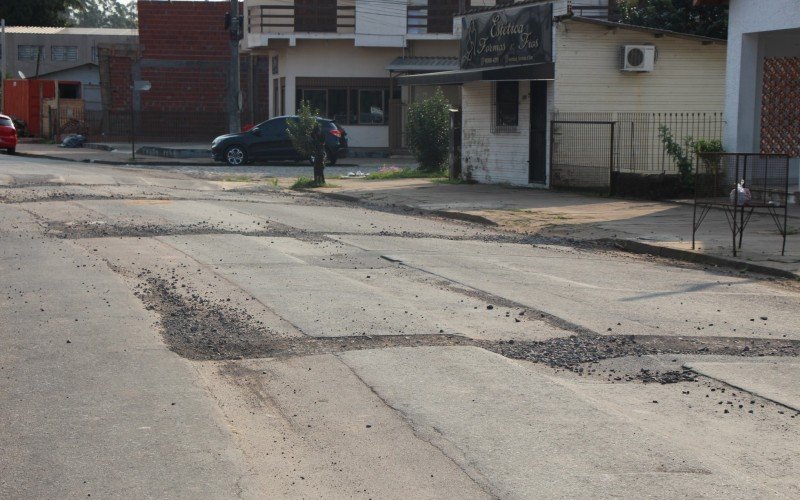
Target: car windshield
[{"x": 6, "y": 122}]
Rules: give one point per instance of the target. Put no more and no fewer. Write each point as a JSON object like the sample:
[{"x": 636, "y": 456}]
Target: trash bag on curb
[
  {"x": 72, "y": 141},
  {"x": 740, "y": 195}
]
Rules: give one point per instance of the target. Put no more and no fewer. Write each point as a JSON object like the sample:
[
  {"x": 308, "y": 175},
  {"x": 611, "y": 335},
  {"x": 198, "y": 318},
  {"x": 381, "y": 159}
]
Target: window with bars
[
  {"x": 505, "y": 107},
  {"x": 28, "y": 52},
  {"x": 64, "y": 53}
]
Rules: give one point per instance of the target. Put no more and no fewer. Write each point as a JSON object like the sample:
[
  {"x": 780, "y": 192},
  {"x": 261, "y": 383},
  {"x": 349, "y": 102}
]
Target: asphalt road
[{"x": 167, "y": 336}]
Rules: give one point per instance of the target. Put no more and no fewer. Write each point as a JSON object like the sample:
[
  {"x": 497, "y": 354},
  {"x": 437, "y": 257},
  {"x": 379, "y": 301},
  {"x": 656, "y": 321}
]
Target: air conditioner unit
[{"x": 638, "y": 58}]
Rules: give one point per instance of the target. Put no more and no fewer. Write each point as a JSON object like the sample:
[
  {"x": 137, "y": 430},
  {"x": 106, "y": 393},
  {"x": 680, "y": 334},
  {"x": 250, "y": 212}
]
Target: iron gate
[{"x": 582, "y": 154}]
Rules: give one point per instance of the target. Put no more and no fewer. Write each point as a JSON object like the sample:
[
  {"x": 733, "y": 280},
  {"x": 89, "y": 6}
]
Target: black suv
[{"x": 269, "y": 141}]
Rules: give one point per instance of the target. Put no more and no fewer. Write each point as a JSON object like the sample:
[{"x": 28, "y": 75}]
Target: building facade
[
  {"x": 584, "y": 100},
  {"x": 35, "y": 51},
  {"x": 343, "y": 56},
  {"x": 762, "y": 96}
]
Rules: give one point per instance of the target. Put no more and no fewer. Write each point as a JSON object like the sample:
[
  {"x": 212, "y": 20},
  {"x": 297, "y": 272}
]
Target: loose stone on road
[{"x": 171, "y": 336}]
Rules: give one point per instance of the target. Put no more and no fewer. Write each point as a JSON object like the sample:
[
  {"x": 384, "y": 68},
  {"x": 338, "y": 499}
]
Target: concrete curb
[
  {"x": 463, "y": 216},
  {"x": 101, "y": 147},
  {"x": 625, "y": 245},
  {"x": 440, "y": 213},
  {"x": 174, "y": 152},
  {"x": 146, "y": 163},
  {"x": 699, "y": 258}
]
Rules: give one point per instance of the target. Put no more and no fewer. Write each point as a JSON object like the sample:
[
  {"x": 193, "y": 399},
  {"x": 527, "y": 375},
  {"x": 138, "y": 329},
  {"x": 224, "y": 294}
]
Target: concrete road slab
[
  {"x": 777, "y": 379},
  {"x": 310, "y": 428},
  {"x": 608, "y": 294},
  {"x": 328, "y": 289},
  {"x": 520, "y": 433},
  {"x": 92, "y": 402}
]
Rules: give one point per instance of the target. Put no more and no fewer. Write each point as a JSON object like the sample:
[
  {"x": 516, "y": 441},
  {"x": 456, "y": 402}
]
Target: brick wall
[
  {"x": 191, "y": 31},
  {"x": 183, "y": 52}
]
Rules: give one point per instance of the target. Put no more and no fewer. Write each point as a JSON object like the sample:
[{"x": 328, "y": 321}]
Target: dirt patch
[{"x": 199, "y": 329}]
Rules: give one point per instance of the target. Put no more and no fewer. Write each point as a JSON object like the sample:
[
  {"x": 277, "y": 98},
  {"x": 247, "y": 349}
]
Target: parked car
[
  {"x": 8, "y": 134},
  {"x": 270, "y": 141}
]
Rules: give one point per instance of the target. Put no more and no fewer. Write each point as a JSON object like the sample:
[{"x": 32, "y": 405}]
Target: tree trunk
[{"x": 319, "y": 166}]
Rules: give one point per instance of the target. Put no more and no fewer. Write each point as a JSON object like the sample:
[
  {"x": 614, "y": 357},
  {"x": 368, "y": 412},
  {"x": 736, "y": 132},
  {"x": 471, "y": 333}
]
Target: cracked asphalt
[{"x": 171, "y": 335}]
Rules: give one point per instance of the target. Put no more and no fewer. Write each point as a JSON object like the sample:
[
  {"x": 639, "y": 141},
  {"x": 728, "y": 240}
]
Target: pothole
[
  {"x": 104, "y": 229},
  {"x": 198, "y": 328}
]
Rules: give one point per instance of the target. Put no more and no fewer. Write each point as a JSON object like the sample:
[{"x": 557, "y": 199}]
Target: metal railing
[
  {"x": 740, "y": 184},
  {"x": 431, "y": 18}
]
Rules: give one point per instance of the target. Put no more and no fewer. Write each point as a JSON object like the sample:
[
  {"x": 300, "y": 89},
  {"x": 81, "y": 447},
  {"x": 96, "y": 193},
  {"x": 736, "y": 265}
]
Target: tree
[
  {"x": 307, "y": 138},
  {"x": 105, "y": 14},
  {"x": 428, "y": 131},
  {"x": 676, "y": 15},
  {"x": 37, "y": 12}
]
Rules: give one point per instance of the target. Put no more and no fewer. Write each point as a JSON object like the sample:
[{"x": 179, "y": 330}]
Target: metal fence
[
  {"x": 591, "y": 150},
  {"x": 740, "y": 184},
  {"x": 148, "y": 125},
  {"x": 581, "y": 154}
]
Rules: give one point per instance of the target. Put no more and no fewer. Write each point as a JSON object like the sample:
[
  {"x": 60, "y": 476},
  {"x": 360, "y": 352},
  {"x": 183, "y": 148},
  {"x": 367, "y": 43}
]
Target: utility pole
[{"x": 234, "y": 94}]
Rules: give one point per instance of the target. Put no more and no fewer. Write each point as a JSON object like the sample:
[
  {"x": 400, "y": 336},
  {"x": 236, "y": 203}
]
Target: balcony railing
[
  {"x": 312, "y": 16},
  {"x": 435, "y": 17}
]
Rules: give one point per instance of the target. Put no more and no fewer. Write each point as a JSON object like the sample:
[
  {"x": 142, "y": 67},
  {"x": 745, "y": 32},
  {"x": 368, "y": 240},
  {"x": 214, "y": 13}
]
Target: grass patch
[
  {"x": 306, "y": 183},
  {"x": 404, "y": 173},
  {"x": 445, "y": 180},
  {"x": 239, "y": 178}
]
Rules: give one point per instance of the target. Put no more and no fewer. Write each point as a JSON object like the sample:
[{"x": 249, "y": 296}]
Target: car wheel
[
  {"x": 11, "y": 151},
  {"x": 236, "y": 156}
]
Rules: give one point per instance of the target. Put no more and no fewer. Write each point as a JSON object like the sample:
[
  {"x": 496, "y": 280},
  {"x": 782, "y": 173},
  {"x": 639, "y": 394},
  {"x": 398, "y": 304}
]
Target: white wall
[
  {"x": 337, "y": 59},
  {"x": 380, "y": 23},
  {"x": 688, "y": 75},
  {"x": 748, "y": 19},
  {"x": 494, "y": 157}
]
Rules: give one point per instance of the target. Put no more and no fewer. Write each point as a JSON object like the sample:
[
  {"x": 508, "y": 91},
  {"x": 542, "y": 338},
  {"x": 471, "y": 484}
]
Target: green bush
[
  {"x": 308, "y": 139},
  {"x": 680, "y": 153},
  {"x": 428, "y": 131}
]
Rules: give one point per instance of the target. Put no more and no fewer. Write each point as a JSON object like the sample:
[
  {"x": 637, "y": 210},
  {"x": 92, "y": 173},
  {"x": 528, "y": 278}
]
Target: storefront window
[
  {"x": 370, "y": 103},
  {"x": 506, "y": 105},
  {"x": 318, "y": 99},
  {"x": 337, "y": 105},
  {"x": 349, "y": 105}
]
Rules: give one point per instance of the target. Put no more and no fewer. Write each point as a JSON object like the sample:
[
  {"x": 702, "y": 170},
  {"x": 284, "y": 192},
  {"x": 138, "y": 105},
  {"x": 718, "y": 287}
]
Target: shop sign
[{"x": 508, "y": 37}]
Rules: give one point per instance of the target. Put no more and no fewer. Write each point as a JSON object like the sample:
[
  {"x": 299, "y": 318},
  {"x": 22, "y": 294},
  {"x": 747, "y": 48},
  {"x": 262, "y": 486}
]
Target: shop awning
[{"x": 541, "y": 71}]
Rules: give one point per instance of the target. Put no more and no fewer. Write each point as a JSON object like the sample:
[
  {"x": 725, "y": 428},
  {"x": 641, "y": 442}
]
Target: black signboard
[{"x": 508, "y": 37}]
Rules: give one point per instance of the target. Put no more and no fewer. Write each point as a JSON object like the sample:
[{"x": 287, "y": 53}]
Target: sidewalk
[{"x": 661, "y": 228}]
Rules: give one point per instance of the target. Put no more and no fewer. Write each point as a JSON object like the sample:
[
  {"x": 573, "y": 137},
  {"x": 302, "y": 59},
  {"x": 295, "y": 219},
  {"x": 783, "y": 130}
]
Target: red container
[{"x": 22, "y": 99}]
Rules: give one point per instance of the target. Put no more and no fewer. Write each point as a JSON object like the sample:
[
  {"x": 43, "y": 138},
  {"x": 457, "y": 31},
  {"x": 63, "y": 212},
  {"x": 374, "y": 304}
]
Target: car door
[{"x": 268, "y": 139}]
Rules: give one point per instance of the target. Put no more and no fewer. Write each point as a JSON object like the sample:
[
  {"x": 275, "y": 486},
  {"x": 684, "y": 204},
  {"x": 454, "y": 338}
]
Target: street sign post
[{"x": 138, "y": 86}]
